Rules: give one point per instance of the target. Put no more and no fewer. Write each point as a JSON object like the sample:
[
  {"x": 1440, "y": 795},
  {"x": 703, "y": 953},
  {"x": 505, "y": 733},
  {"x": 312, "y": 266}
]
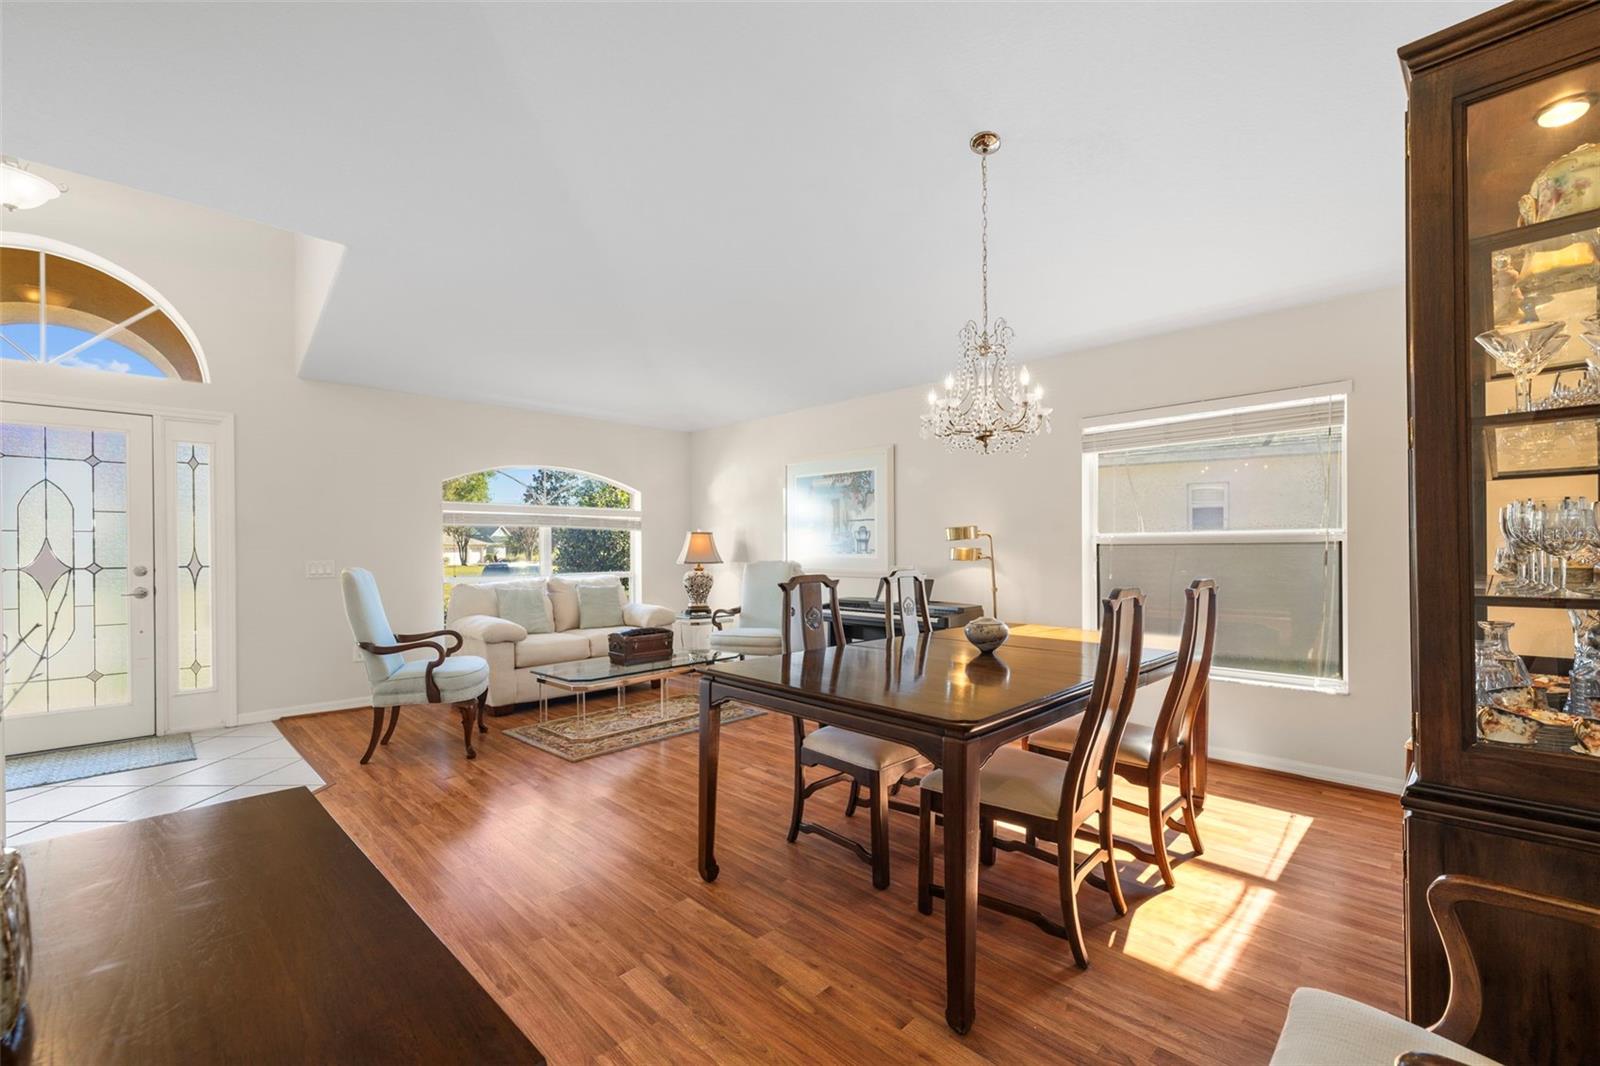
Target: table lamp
[
  {"x": 698, "y": 548},
  {"x": 988, "y": 633}
]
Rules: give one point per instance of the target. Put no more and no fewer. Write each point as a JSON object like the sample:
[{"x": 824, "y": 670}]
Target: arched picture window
[{"x": 57, "y": 309}]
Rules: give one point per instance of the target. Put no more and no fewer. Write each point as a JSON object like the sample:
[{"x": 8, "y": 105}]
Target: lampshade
[
  {"x": 960, "y": 532},
  {"x": 966, "y": 555},
  {"x": 698, "y": 547}
]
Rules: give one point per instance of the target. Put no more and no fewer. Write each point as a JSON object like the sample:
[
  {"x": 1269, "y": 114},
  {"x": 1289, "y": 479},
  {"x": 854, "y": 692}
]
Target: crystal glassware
[
  {"x": 1498, "y": 668},
  {"x": 1522, "y": 521},
  {"x": 1524, "y": 352},
  {"x": 1585, "y": 677},
  {"x": 1563, "y": 530}
]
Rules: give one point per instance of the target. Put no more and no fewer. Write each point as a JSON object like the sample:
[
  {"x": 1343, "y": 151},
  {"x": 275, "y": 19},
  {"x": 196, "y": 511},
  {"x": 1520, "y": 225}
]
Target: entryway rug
[
  {"x": 602, "y": 732},
  {"x": 92, "y": 760}
]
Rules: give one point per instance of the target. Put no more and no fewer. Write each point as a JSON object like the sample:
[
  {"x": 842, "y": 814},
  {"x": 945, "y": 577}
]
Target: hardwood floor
[{"x": 569, "y": 890}]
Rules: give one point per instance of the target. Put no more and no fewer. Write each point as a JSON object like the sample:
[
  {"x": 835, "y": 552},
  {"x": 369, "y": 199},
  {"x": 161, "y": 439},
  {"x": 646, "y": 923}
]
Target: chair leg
[
  {"x": 986, "y": 841},
  {"x": 1186, "y": 786},
  {"x": 799, "y": 783},
  {"x": 394, "y": 719},
  {"x": 377, "y": 728},
  {"x": 483, "y": 703},
  {"x": 1069, "y": 903},
  {"x": 468, "y": 713},
  {"x": 1113, "y": 882},
  {"x": 1158, "y": 830},
  {"x": 925, "y": 855},
  {"x": 878, "y": 796},
  {"x": 855, "y": 799}
]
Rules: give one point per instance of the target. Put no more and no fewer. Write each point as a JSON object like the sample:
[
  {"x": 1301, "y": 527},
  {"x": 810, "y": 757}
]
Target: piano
[{"x": 863, "y": 615}]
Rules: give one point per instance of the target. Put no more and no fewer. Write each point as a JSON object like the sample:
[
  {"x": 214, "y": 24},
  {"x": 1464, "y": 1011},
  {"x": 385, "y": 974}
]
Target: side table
[{"x": 692, "y": 632}]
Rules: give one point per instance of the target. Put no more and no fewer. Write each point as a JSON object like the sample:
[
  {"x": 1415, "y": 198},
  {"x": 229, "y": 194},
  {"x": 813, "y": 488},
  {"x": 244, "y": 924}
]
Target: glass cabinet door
[{"x": 1533, "y": 260}]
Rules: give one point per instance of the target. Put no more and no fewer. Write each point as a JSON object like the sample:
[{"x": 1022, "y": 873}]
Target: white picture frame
[{"x": 838, "y": 513}]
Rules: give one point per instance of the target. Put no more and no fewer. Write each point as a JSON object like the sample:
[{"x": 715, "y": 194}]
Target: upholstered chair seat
[
  {"x": 1016, "y": 780},
  {"x": 858, "y": 749},
  {"x": 1133, "y": 750},
  {"x": 749, "y": 640},
  {"x": 1324, "y": 1029},
  {"x": 460, "y": 677}
]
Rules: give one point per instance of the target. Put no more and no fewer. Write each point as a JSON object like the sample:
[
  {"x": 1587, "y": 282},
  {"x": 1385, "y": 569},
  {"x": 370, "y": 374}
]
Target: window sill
[{"x": 1318, "y": 686}]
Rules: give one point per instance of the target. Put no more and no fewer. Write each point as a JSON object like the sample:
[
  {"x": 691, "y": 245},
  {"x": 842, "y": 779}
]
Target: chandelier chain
[{"x": 983, "y": 181}]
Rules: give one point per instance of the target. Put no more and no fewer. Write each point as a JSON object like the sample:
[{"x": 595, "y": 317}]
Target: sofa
[{"x": 509, "y": 649}]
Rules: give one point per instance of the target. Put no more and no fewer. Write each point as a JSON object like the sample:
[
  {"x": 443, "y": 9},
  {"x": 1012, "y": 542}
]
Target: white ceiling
[{"x": 690, "y": 215}]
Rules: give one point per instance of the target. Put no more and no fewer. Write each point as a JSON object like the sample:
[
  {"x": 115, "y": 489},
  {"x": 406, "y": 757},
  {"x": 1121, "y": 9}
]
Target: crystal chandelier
[{"x": 986, "y": 405}]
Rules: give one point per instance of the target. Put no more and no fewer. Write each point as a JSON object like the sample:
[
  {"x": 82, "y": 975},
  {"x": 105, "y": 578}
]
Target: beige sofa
[{"x": 510, "y": 649}]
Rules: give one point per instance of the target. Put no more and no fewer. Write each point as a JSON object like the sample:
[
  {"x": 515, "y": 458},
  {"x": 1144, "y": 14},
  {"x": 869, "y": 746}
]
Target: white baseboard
[
  {"x": 253, "y": 717},
  {"x": 1316, "y": 771}
]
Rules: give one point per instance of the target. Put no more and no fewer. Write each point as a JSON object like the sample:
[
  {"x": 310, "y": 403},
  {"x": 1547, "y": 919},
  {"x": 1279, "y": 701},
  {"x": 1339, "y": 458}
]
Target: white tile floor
[{"x": 229, "y": 764}]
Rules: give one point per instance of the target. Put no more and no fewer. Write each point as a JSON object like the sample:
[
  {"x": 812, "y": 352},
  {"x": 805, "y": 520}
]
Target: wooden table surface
[{"x": 250, "y": 931}]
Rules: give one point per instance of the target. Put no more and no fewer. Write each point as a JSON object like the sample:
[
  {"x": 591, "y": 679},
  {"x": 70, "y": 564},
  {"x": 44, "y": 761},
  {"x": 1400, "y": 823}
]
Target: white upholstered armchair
[
  {"x": 760, "y": 612},
  {"x": 460, "y": 680}
]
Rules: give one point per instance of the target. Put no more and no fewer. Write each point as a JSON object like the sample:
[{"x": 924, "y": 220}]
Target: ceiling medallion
[{"x": 986, "y": 405}]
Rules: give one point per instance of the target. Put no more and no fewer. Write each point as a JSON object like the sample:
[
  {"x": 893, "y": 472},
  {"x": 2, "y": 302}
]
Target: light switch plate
[{"x": 319, "y": 568}]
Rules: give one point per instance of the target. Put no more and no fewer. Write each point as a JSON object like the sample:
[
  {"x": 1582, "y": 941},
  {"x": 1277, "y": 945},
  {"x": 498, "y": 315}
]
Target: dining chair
[
  {"x": 1326, "y": 1029},
  {"x": 460, "y": 680},
  {"x": 1054, "y": 799},
  {"x": 865, "y": 762},
  {"x": 904, "y": 593},
  {"x": 1147, "y": 755}
]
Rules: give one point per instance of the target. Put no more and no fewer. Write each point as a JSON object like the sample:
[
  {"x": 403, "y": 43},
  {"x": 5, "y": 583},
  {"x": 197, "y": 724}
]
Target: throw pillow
[
  {"x": 529, "y": 608},
  {"x": 599, "y": 607}
]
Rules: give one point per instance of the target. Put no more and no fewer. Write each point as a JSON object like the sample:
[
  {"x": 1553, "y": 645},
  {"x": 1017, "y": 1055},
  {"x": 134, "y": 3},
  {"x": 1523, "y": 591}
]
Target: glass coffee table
[{"x": 583, "y": 676}]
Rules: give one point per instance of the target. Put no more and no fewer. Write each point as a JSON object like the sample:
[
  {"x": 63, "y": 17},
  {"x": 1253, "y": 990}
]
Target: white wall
[
  {"x": 327, "y": 471},
  {"x": 1034, "y": 505}
]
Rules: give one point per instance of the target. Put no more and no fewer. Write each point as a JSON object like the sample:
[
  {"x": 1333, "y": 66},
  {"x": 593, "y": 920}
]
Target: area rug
[
  {"x": 92, "y": 760},
  {"x": 603, "y": 732}
]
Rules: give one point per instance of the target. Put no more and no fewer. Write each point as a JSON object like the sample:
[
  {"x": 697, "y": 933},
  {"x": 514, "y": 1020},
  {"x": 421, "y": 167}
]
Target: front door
[{"x": 76, "y": 544}]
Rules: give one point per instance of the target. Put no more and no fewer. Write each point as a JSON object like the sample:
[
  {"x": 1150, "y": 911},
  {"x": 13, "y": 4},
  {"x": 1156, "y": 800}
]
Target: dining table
[{"x": 938, "y": 694}]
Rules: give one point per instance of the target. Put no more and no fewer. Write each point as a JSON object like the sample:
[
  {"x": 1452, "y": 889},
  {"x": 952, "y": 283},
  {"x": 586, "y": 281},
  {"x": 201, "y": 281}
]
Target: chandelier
[{"x": 986, "y": 405}]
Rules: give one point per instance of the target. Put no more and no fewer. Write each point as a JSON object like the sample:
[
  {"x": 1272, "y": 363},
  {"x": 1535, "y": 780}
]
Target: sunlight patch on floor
[{"x": 1205, "y": 946}]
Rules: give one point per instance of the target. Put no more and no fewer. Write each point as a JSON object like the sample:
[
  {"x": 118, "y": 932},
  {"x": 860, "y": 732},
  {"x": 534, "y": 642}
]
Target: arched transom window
[
  {"x": 534, "y": 521},
  {"x": 60, "y": 309}
]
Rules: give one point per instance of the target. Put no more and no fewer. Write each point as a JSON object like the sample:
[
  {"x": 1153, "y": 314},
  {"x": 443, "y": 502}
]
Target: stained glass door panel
[{"x": 75, "y": 577}]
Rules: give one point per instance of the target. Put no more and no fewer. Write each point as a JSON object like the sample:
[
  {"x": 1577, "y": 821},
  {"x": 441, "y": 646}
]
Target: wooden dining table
[{"x": 939, "y": 695}]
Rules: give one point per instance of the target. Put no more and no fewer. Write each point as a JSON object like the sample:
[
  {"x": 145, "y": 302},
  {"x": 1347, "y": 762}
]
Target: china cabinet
[{"x": 1503, "y": 293}]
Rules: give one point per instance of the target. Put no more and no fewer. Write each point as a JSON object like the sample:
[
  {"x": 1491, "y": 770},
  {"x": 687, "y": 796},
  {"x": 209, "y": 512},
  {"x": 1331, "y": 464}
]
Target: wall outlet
[{"x": 319, "y": 568}]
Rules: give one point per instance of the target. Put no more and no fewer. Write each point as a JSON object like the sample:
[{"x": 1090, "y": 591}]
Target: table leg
[
  {"x": 710, "y": 741},
  {"x": 960, "y": 765}
]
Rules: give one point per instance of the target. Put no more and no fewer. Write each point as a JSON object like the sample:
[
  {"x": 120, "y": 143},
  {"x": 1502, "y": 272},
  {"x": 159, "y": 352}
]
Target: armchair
[
  {"x": 760, "y": 612},
  {"x": 395, "y": 681}
]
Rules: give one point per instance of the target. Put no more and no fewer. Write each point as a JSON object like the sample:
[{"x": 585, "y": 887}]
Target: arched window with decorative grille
[{"x": 62, "y": 306}]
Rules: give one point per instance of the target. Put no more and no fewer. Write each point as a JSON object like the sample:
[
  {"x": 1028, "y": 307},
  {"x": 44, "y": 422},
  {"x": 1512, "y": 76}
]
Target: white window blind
[
  {"x": 507, "y": 514},
  {"x": 1300, "y": 415}
]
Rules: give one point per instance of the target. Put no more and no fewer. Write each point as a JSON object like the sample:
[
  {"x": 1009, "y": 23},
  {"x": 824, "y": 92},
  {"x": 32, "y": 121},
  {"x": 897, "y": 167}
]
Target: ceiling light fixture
[
  {"x": 21, "y": 190},
  {"x": 1565, "y": 111},
  {"x": 986, "y": 405}
]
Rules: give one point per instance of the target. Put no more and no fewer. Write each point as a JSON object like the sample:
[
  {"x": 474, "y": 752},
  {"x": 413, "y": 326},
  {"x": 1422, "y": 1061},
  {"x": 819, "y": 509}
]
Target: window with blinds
[{"x": 1249, "y": 492}]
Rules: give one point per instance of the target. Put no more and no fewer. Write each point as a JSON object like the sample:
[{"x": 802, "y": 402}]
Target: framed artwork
[{"x": 838, "y": 513}]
